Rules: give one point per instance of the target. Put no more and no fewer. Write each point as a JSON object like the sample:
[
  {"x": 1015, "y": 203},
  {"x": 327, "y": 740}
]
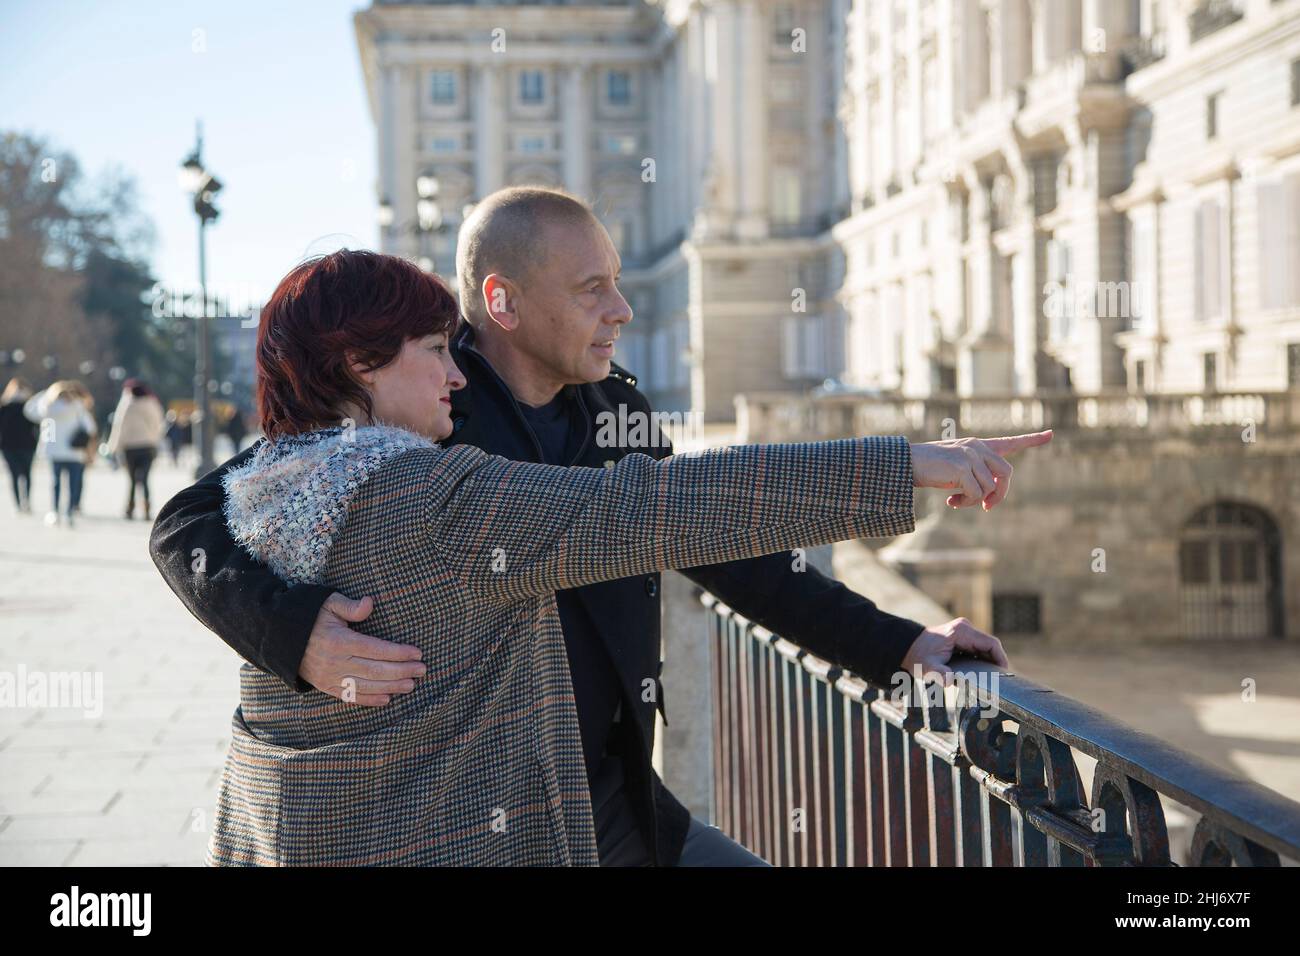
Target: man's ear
[{"x": 499, "y": 295}]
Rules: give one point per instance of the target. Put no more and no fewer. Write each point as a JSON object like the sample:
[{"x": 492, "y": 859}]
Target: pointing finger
[{"x": 1015, "y": 443}]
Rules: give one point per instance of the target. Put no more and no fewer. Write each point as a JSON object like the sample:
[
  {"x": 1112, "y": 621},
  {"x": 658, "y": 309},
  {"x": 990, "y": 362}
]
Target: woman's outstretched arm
[{"x": 511, "y": 529}]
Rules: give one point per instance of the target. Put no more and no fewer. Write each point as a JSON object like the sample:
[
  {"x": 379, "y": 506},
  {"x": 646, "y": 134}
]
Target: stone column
[
  {"x": 981, "y": 215},
  {"x": 726, "y": 148},
  {"x": 839, "y": 149},
  {"x": 853, "y": 110},
  {"x": 913, "y": 146},
  {"x": 946, "y": 51},
  {"x": 1016, "y": 53},
  {"x": 1025, "y": 312},
  {"x": 489, "y": 124},
  {"x": 675, "y": 183},
  {"x": 1178, "y": 33},
  {"x": 576, "y": 110},
  {"x": 972, "y": 33},
  {"x": 656, "y": 207},
  {"x": 886, "y": 127},
  {"x": 752, "y": 114},
  {"x": 697, "y": 97},
  {"x": 985, "y": 361},
  {"x": 387, "y": 151},
  {"x": 1112, "y": 16},
  {"x": 405, "y": 131},
  {"x": 997, "y": 21}
]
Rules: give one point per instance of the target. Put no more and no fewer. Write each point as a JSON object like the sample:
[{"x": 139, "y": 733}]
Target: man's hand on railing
[
  {"x": 975, "y": 465},
  {"x": 933, "y": 648}
]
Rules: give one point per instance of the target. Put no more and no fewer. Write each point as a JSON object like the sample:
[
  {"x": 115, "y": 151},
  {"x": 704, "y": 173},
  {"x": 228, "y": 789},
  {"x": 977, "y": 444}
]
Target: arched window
[{"x": 1230, "y": 564}]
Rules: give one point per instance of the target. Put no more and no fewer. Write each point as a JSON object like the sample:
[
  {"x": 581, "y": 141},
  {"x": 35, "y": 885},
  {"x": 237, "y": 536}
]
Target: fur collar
[{"x": 287, "y": 503}]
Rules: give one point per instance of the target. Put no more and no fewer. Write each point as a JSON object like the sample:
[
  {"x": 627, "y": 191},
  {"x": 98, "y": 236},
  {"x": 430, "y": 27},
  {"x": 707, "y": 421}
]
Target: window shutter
[
  {"x": 660, "y": 366},
  {"x": 1142, "y": 295},
  {"x": 1214, "y": 273},
  {"x": 1272, "y": 244},
  {"x": 681, "y": 344},
  {"x": 814, "y": 349},
  {"x": 790, "y": 359},
  {"x": 1199, "y": 264},
  {"x": 1207, "y": 260},
  {"x": 630, "y": 353},
  {"x": 1289, "y": 252}
]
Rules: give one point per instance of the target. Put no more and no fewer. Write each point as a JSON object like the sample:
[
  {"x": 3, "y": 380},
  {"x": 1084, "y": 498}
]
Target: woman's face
[{"x": 414, "y": 390}]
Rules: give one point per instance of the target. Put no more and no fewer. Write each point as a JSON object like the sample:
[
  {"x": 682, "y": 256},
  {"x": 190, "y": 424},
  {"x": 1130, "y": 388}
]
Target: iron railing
[{"x": 814, "y": 767}]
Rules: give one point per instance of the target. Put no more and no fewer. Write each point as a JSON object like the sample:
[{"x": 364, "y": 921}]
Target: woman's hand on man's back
[{"x": 354, "y": 667}]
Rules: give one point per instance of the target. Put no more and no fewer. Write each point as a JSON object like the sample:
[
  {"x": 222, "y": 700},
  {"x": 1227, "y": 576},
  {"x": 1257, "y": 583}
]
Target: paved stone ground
[
  {"x": 136, "y": 785},
  {"x": 1190, "y": 695}
]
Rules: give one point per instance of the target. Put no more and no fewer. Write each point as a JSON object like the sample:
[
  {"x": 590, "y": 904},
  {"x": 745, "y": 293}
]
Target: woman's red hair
[{"x": 330, "y": 311}]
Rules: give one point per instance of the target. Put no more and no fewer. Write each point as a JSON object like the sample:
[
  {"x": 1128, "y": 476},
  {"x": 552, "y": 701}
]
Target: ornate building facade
[
  {"x": 1073, "y": 194},
  {"x": 923, "y": 196},
  {"x": 703, "y": 133},
  {"x": 982, "y": 215}
]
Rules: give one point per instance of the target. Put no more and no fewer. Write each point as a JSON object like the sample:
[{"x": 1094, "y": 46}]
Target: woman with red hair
[{"x": 482, "y": 762}]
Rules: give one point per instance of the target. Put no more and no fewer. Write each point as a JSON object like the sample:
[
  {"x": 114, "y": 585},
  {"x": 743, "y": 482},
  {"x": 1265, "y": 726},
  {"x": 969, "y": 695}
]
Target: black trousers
[
  {"x": 138, "y": 463},
  {"x": 20, "y": 467},
  {"x": 619, "y": 842}
]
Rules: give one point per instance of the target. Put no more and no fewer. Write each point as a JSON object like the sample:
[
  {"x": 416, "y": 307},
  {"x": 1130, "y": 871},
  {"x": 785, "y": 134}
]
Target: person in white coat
[
  {"x": 138, "y": 427},
  {"x": 67, "y": 431}
]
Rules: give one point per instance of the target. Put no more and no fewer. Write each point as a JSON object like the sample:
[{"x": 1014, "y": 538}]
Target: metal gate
[{"x": 1229, "y": 573}]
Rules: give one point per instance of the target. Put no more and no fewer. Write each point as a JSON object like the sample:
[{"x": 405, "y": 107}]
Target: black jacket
[
  {"x": 18, "y": 433},
  {"x": 268, "y": 623}
]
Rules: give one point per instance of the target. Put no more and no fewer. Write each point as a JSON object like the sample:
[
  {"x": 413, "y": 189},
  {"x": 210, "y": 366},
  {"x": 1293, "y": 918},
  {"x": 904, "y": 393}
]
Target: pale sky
[{"x": 287, "y": 129}]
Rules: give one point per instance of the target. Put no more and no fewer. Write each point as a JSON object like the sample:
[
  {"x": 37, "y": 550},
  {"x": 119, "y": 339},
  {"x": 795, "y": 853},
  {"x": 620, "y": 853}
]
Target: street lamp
[
  {"x": 203, "y": 187},
  {"x": 426, "y": 185},
  {"x": 428, "y": 219}
]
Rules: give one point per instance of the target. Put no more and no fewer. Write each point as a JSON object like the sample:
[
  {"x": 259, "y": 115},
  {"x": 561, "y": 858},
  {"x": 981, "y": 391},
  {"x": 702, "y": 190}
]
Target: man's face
[{"x": 570, "y": 310}]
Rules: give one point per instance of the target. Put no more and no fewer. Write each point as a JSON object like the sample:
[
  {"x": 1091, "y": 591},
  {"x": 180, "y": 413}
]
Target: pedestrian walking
[
  {"x": 67, "y": 430},
  {"x": 18, "y": 439},
  {"x": 173, "y": 436},
  {"x": 138, "y": 427}
]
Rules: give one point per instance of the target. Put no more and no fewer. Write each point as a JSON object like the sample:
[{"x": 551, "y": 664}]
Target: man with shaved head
[{"x": 538, "y": 279}]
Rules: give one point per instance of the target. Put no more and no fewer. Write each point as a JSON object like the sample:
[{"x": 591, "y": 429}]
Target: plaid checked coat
[{"x": 482, "y": 763}]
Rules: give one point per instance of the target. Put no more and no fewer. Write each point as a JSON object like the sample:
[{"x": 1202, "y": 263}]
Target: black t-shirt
[{"x": 559, "y": 429}]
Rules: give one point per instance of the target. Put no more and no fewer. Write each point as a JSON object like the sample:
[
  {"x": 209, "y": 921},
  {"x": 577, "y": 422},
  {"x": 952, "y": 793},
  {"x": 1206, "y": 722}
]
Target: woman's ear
[{"x": 360, "y": 369}]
